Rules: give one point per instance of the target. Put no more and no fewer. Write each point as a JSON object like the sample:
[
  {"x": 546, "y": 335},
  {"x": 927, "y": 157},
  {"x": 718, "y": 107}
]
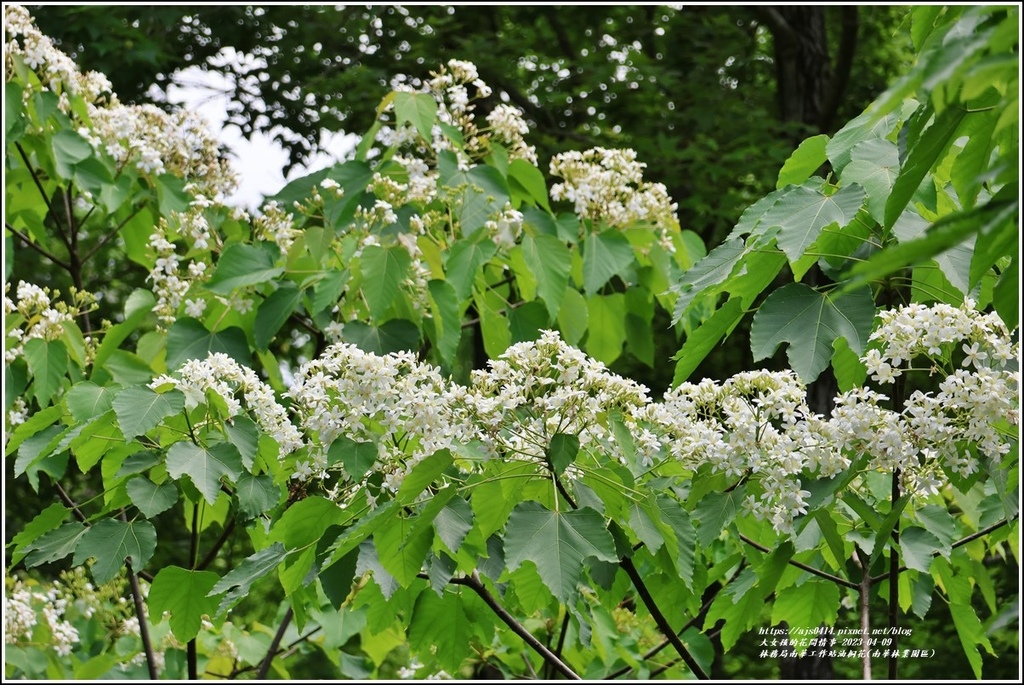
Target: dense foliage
[{"x": 370, "y": 429}]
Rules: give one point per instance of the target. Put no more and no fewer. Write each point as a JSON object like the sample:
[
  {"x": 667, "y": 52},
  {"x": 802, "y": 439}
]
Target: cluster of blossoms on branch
[
  {"x": 22, "y": 606},
  {"x": 36, "y": 313}
]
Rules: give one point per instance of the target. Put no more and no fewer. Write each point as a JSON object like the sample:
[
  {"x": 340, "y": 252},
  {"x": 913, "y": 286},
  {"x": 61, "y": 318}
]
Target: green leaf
[
  {"x": 306, "y": 522},
  {"x": 69, "y": 148},
  {"x": 418, "y": 109},
  {"x": 531, "y": 179},
  {"x": 183, "y": 593},
  {"x": 140, "y": 409},
  {"x": 699, "y": 344},
  {"x": 607, "y": 326},
  {"x": 802, "y": 213},
  {"x": 150, "y": 498},
  {"x": 204, "y": 466},
  {"x": 256, "y": 494},
  {"x": 804, "y": 161},
  {"x": 441, "y": 625},
  {"x": 874, "y": 166},
  {"x": 395, "y": 335},
  {"x": 44, "y": 522},
  {"x": 402, "y": 547},
  {"x": 383, "y": 269},
  {"x": 86, "y": 399},
  {"x": 444, "y": 307},
  {"x": 715, "y": 511},
  {"x": 550, "y": 261},
  {"x": 917, "y": 547},
  {"x": 921, "y": 158},
  {"x": 604, "y": 255},
  {"x": 526, "y": 323},
  {"x": 137, "y": 307},
  {"x": 242, "y": 265},
  {"x": 562, "y": 451},
  {"x": 714, "y": 269},
  {"x": 422, "y": 475},
  {"x": 573, "y": 317},
  {"x": 274, "y": 311},
  {"x": 806, "y": 606},
  {"x": 464, "y": 261},
  {"x": 14, "y": 113},
  {"x": 244, "y": 434},
  {"x": 110, "y": 542},
  {"x": 48, "y": 362},
  {"x": 558, "y": 543},
  {"x": 644, "y": 527},
  {"x": 685, "y": 536},
  {"x": 356, "y": 457},
  {"x": 239, "y": 580},
  {"x": 55, "y": 545},
  {"x": 810, "y": 322},
  {"x": 190, "y": 339},
  {"x": 454, "y": 522}
]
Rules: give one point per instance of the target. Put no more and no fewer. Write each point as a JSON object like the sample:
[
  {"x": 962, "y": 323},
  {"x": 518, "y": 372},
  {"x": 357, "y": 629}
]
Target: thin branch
[
  {"x": 659, "y": 618},
  {"x": 274, "y": 644},
  {"x": 810, "y": 569},
  {"x": 473, "y": 582},
  {"x": 212, "y": 553},
  {"x": 561, "y": 641},
  {"x": 140, "y": 612},
  {"x": 117, "y": 229},
  {"x": 35, "y": 179},
  {"x": 28, "y": 242},
  {"x": 70, "y": 503},
  {"x": 894, "y": 586},
  {"x": 864, "y": 595},
  {"x": 959, "y": 543}
]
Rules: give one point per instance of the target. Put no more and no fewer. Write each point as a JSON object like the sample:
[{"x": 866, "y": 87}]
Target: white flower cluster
[
  {"x": 276, "y": 225},
  {"x": 540, "y": 388},
  {"x": 222, "y": 375},
  {"x": 170, "y": 285},
  {"x": 393, "y": 401},
  {"x": 450, "y": 87},
  {"x": 607, "y": 185},
  {"x": 57, "y": 72},
  {"x": 21, "y": 604},
  {"x": 422, "y": 184},
  {"x": 156, "y": 142},
  {"x": 506, "y": 227},
  {"x": 39, "y": 316}
]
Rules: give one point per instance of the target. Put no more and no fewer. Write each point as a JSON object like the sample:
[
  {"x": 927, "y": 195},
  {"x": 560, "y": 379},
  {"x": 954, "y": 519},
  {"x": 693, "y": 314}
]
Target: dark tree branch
[
  {"x": 28, "y": 242},
  {"x": 211, "y": 554},
  {"x": 810, "y": 569},
  {"x": 261, "y": 674},
  {"x": 473, "y": 582},
  {"x": 140, "y": 612},
  {"x": 103, "y": 241}
]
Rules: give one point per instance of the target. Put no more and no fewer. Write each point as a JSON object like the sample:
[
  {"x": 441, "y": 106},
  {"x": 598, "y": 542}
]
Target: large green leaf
[
  {"x": 418, "y": 109},
  {"x": 48, "y": 362},
  {"x": 607, "y": 326},
  {"x": 190, "y": 339},
  {"x": 243, "y": 265},
  {"x": 204, "y": 465},
  {"x": 440, "y": 625},
  {"x": 139, "y": 409},
  {"x": 549, "y": 259},
  {"x": 558, "y": 543},
  {"x": 402, "y": 547},
  {"x": 531, "y": 179},
  {"x": 150, "y": 498},
  {"x": 444, "y": 308},
  {"x": 714, "y": 269},
  {"x": 810, "y": 322},
  {"x": 55, "y": 545},
  {"x": 46, "y": 521},
  {"x": 274, "y": 311},
  {"x": 86, "y": 399},
  {"x": 256, "y": 494},
  {"x": 875, "y": 165},
  {"x": 69, "y": 148},
  {"x": 806, "y": 606},
  {"x": 110, "y": 542},
  {"x": 306, "y": 522},
  {"x": 239, "y": 580},
  {"x": 918, "y": 547},
  {"x": 454, "y": 522},
  {"x": 604, "y": 255},
  {"x": 383, "y": 269},
  {"x": 699, "y": 344},
  {"x": 804, "y": 161},
  {"x": 802, "y": 213},
  {"x": 395, "y": 335},
  {"x": 464, "y": 261},
  {"x": 183, "y": 593},
  {"x": 715, "y": 511},
  {"x": 921, "y": 158}
]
